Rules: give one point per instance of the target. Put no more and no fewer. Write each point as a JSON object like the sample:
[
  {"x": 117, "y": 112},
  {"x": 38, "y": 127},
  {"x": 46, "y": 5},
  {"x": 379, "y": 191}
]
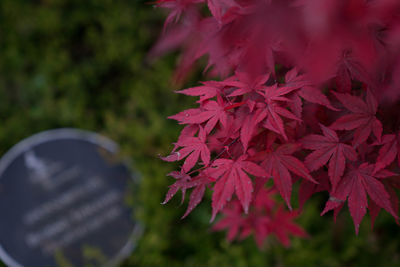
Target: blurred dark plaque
[{"x": 64, "y": 201}]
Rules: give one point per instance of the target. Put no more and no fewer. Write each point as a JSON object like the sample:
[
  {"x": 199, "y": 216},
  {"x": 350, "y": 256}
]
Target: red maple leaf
[
  {"x": 219, "y": 7},
  {"x": 246, "y": 84},
  {"x": 181, "y": 184},
  {"x": 193, "y": 148},
  {"x": 176, "y": 8},
  {"x": 210, "y": 112},
  {"x": 264, "y": 220},
  {"x": 278, "y": 163},
  {"x": 388, "y": 151},
  {"x": 249, "y": 125},
  {"x": 282, "y": 226},
  {"x": 349, "y": 68},
  {"x": 233, "y": 178},
  {"x": 199, "y": 183},
  {"x": 354, "y": 187},
  {"x": 208, "y": 90},
  {"x": 233, "y": 220},
  {"x": 328, "y": 148},
  {"x": 362, "y": 120},
  {"x": 184, "y": 182},
  {"x": 272, "y": 110}
]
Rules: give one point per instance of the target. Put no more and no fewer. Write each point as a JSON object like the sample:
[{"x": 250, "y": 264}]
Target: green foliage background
[{"x": 74, "y": 63}]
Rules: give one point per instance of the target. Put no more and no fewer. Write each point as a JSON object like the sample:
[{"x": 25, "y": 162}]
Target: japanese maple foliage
[{"x": 305, "y": 90}]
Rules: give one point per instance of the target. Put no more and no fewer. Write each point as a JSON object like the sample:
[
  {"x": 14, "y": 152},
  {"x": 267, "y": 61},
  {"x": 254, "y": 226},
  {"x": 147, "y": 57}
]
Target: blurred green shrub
[{"x": 73, "y": 63}]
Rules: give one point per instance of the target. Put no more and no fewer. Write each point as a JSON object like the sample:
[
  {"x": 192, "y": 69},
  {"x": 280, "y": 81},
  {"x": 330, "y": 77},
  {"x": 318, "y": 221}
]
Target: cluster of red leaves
[{"x": 308, "y": 91}]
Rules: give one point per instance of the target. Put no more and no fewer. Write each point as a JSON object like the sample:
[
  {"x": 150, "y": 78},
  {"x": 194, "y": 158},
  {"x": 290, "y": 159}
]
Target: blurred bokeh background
[{"x": 74, "y": 63}]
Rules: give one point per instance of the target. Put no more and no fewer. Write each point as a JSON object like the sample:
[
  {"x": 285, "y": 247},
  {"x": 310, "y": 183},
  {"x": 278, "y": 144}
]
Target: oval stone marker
[{"x": 63, "y": 202}]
